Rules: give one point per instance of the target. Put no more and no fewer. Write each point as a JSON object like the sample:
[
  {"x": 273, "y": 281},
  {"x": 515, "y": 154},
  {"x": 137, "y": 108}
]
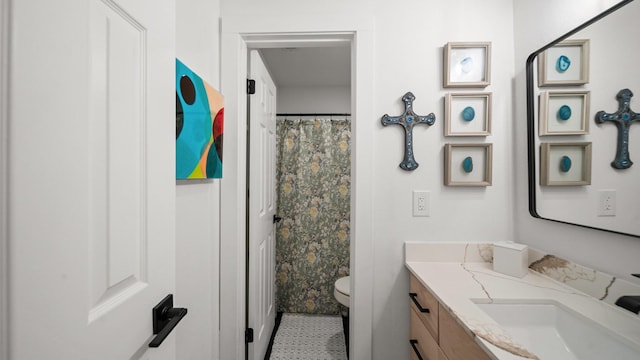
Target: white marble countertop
[{"x": 459, "y": 280}]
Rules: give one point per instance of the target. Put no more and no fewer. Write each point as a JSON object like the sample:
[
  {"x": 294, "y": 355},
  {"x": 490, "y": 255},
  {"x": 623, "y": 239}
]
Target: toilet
[{"x": 341, "y": 290}]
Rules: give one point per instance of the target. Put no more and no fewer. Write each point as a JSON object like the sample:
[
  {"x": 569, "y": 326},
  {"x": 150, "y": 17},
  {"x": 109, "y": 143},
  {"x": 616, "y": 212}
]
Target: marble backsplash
[{"x": 600, "y": 285}]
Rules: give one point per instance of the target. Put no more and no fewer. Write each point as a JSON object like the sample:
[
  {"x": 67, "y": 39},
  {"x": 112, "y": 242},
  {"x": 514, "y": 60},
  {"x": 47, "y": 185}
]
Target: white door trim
[
  {"x": 4, "y": 137},
  {"x": 238, "y": 34}
]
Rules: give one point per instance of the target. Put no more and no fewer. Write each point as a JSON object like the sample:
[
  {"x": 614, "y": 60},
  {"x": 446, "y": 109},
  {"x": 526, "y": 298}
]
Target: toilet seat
[{"x": 341, "y": 290}]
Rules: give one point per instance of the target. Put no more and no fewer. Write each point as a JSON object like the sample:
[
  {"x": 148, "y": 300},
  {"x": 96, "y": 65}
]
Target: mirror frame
[{"x": 531, "y": 132}]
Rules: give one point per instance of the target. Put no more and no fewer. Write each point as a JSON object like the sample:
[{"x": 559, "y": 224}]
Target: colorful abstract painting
[{"x": 199, "y": 126}]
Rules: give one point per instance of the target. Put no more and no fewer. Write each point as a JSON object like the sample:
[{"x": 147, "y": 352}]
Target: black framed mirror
[{"x": 574, "y": 84}]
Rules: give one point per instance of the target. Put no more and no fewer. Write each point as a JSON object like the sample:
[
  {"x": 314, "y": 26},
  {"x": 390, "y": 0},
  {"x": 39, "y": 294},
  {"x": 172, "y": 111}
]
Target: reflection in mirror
[{"x": 580, "y": 120}]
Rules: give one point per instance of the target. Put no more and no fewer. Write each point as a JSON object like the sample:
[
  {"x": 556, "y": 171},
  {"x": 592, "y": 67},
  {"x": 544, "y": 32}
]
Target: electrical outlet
[
  {"x": 420, "y": 203},
  {"x": 606, "y": 203}
]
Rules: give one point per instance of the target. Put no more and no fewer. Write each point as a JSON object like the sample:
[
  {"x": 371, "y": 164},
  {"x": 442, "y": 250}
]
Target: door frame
[
  {"x": 238, "y": 35},
  {"x": 4, "y": 177}
]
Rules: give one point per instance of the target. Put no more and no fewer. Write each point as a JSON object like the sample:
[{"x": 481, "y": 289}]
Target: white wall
[
  {"x": 408, "y": 57},
  {"x": 538, "y": 22},
  {"x": 198, "y": 201},
  {"x": 317, "y": 99}
]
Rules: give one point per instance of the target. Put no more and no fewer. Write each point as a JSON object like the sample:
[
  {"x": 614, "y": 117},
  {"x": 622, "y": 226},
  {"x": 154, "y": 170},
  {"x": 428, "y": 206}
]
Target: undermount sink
[{"x": 552, "y": 331}]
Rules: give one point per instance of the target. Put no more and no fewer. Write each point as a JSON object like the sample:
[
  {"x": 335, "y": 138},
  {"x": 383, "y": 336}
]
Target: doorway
[
  {"x": 313, "y": 174},
  {"x": 313, "y": 181},
  {"x": 238, "y": 36}
]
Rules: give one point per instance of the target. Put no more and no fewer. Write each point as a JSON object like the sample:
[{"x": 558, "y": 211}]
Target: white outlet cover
[
  {"x": 420, "y": 203},
  {"x": 606, "y": 203}
]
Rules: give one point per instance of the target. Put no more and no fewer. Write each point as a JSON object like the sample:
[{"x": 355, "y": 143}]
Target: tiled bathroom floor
[{"x": 309, "y": 337}]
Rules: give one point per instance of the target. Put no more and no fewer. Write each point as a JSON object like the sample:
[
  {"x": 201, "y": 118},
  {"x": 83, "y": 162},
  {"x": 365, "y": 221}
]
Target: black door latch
[{"x": 165, "y": 318}]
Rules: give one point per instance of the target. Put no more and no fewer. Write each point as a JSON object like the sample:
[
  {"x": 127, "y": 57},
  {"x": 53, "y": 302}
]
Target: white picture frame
[
  {"x": 456, "y": 171},
  {"x": 467, "y": 114},
  {"x": 553, "y": 170},
  {"x": 467, "y": 64},
  {"x": 564, "y": 113},
  {"x": 566, "y": 63}
]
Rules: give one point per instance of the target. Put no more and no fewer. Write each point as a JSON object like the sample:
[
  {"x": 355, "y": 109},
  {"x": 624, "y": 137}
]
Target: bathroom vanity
[
  {"x": 462, "y": 309},
  {"x": 435, "y": 334}
]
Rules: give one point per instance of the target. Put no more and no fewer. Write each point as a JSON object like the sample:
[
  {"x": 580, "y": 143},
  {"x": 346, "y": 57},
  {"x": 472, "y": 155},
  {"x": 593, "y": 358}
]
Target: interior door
[
  {"x": 262, "y": 206},
  {"x": 91, "y": 177}
]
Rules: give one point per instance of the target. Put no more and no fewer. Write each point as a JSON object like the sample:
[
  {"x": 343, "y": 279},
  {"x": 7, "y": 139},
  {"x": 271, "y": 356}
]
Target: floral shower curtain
[{"x": 314, "y": 192}]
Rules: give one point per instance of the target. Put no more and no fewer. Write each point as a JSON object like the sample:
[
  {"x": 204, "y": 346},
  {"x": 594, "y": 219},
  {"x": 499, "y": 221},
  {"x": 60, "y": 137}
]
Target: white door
[
  {"x": 91, "y": 177},
  {"x": 262, "y": 206}
]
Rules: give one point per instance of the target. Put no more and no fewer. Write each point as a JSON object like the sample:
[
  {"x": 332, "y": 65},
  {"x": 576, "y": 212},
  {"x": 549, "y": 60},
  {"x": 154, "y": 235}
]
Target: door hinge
[
  {"x": 248, "y": 335},
  {"x": 251, "y": 87}
]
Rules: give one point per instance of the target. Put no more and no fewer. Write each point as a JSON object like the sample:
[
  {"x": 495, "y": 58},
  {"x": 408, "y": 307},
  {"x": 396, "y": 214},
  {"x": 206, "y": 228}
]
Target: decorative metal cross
[
  {"x": 623, "y": 118},
  {"x": 408, "y": 120}
]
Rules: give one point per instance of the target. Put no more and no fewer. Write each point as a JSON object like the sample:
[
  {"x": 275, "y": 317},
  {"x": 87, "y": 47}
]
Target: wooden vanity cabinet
[
  {"x": 423, "y": 298},
  {"x": 435, "y": 334},
  {"x": 422, "y": 342}
]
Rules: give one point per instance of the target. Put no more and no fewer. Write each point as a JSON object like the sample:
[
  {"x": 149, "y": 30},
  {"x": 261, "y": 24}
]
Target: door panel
[
  {"x": 261, "y": 207},
  {"x": 117, "y": 158},
  {"x": 92, "y": 177}
]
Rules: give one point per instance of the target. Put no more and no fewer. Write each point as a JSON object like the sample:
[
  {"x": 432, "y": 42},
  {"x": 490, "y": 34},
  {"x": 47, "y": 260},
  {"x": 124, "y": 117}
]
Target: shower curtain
[{"x": 314, "y": 191}]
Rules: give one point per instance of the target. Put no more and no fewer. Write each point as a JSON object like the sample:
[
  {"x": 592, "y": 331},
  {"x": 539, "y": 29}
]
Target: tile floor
[{"x": 309, "y": 337}]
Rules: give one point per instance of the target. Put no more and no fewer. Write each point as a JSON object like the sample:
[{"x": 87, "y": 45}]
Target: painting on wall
[{"x": 199, "y": 126}]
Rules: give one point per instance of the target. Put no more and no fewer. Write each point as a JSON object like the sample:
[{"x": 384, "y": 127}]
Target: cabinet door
[
  {"x": 426, "y": 300},
  {"x": 422, "y": 345},
  {"x": 456, "y": 343}
]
